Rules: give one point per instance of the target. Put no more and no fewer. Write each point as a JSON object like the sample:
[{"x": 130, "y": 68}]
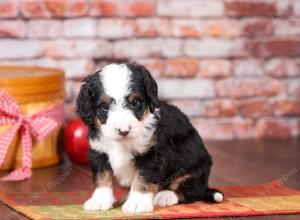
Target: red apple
[{"x": 76, "y": 141}]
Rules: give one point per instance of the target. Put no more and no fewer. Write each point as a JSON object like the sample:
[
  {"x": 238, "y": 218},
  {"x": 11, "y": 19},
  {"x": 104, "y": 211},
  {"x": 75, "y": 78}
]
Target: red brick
[
  {"x": 131, "y": 8},
  {"x": 190, "y": 107},
  {"x": 145, "y": 27},
  {"x": 54, "y": 8},
  {"x": 243, "y": 8},
  {"x": 57, "y": 8},
  {"x": 212, "y": 28},
  {"x": 269, "y": 48},
  {"x": 293, "y": 88},
  {"x": 170, "y": 47},
  {"x": 118, "y": 28},
  {"x": 214, "y": 130},
  {"x": 76, "y": 68},
  {"x": 12, "y": 28},
  {"x": 244, "y": 129},
  {"x": 258, "y": 27},
  {"x": 100, "y": 8},
  {"x": 213, "y": 48},
  {"x": 31, "y": 61},
  {"x": 248, "y": 88},
  {"x": 20, "y": 49},
  {"x": 181, "y": 67},
  {"x": 68, "y": 8},
  {"x": 140, "y": 48},
  {"x": 142, "y": 8},
  {"x": 222, "y": 28},
  {"x": 248, "y": 67},
  {"x": 215, "y": 29},
  {"x": 286, "y": 107},
  {"x": 269, "y": 87},
  {"x": 155, "y": 66},
  {"x": 284, "y": 8},
  {"x": 287, "y": 27},
  {"x": 296, "y": 8},
  {"x": 77, "y": 48},
  {"x": 272, "y": 128},
  {"x": 80, "y": 27},
  {"x": 152, "y": 27},
  {"x": 282, "y": 68},
  {"x": 76, "y": 8},
  {"x": 136, "y": 48},
  {"x": 34, "y": 9},
  {"x": 42, "y": 28},
  {"x": 218, "y": 108},
  {"x": 189, "y": 88},
  {"x": 190, "y": 8},
  {"x": 215, "y": 68},
  {"x": 254, "y": 108},
  {"x": 187, "y": 28},
  {"x": 8, "y": 8},
  {"x": 224, "y": 129}
]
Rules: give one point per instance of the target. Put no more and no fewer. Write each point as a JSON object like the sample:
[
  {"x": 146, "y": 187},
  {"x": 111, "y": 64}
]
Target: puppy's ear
[
  {"x": 150, "y": 88},
  {"x": 84, "y": 105}
]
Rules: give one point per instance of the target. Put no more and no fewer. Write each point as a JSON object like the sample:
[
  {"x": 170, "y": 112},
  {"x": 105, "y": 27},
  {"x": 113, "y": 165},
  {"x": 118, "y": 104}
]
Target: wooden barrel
[{"x": 34, "y": 89}]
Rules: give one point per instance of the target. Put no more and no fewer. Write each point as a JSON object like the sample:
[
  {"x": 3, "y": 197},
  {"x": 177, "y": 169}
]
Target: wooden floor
[{"x": 235, "y": 163}]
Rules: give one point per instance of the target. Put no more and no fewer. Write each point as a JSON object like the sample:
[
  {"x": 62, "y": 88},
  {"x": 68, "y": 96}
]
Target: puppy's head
[{"x": 119, "y": 100}]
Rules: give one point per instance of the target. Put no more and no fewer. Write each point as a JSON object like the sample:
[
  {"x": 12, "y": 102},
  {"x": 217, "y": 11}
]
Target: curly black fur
[
  {"x": 179, "y": 150},
  {"x": 88, "y": 101},
  {"x": 143, "y": 82}
]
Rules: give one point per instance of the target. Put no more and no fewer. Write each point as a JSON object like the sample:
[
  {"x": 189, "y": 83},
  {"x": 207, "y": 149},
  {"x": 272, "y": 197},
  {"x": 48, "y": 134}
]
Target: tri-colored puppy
[{"x": 143, "y": 142}]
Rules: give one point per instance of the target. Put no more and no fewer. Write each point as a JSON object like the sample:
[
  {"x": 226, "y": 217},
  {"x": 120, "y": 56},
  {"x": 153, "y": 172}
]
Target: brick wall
[{"x": 232, "y": 65}]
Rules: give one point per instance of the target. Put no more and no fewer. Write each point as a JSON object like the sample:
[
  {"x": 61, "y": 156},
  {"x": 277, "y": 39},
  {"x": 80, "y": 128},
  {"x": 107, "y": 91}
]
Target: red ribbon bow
[{"x": 38, "y": 125}]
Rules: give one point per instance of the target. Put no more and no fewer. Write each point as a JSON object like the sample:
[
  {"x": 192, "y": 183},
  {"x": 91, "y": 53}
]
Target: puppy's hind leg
[
  {"x": 195, "y": 188},
  {"x": 165, "y": 198},
  {"x": 169, "y": 196}
]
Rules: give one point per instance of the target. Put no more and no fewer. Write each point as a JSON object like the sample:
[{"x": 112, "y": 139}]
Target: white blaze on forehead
[{"x": 116, "y": 80}]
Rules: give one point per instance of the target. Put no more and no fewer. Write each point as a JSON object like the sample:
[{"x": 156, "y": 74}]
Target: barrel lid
[
  {"x": 25, "y": 76},
  {"x": 28, "y": 84}
]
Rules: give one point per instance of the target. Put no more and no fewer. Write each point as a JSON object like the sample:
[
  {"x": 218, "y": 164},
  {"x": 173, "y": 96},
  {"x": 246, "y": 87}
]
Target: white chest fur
[
  {"x": 121, "y": 161},
  {"x": 120, "y": 158},
  {"x": 120, "y": 153}
]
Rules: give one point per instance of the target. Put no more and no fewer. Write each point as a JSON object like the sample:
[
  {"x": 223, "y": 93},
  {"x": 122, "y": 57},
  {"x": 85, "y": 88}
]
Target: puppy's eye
[
  {"x": 104, "y": 107},
  {"x": 135, "y": 103}
]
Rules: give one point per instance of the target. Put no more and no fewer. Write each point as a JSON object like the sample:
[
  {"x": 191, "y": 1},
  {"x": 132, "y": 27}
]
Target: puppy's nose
[{"x": 123, "y": 132}]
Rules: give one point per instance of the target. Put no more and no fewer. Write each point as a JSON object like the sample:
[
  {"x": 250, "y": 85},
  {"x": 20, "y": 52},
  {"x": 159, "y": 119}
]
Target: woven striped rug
[{"x": 265, "y": 199}]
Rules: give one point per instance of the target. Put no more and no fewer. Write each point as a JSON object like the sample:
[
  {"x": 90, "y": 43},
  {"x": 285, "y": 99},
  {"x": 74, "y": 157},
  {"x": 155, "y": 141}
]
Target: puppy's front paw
[
  {"x": 165, "y": 198},
  {"x": 102, "y": 199},
  {"x": 94, "y": 204},
  {"x": 138, "y": 202}
]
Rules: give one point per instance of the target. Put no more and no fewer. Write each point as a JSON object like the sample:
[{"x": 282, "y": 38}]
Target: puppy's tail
[{"x": 213, "y": 195}]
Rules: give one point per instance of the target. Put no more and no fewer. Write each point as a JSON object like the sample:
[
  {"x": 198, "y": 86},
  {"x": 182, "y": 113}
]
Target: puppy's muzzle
[{"x": 123, "y": 131}]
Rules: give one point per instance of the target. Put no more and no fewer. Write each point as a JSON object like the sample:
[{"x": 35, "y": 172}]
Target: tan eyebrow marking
[
  {"x": 106, "y": 99},
  {"x": 134, "y": 95}
]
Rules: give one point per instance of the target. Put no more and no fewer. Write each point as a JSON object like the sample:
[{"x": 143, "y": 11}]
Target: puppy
[{"x": 146, "y": 144}]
